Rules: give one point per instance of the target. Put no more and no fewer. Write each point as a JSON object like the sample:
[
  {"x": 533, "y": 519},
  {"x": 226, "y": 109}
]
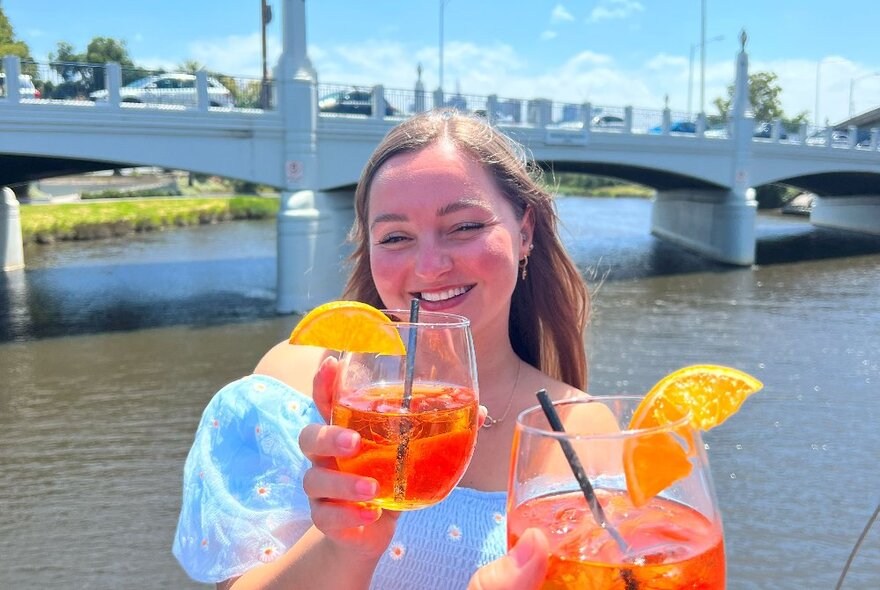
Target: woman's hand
[
  {"x": 339, "y": 501},
  {"x": 523, "y": 568}
]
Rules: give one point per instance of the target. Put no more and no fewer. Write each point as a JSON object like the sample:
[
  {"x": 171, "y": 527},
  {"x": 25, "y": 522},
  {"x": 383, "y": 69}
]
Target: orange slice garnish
[
  {"x": 710, "y": 393},
  {"x": 348, "y": 325},
  {"x": 653, "y": 462}
]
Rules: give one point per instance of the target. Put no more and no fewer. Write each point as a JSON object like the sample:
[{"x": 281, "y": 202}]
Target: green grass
[
  {"x": 624, "y": 190},
  {"x": 83, "y": 221}
]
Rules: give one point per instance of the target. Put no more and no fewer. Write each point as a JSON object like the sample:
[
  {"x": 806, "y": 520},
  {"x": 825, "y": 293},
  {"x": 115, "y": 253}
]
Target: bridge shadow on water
[
  {"x": 108, "y": 292},
  {"x": 76, "y": 300}
]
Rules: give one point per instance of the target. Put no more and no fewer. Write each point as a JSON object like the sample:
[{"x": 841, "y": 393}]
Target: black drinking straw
[
  {"x": 405, "y": 426},
  {"x": 410, "y": 362},
  {"x": 578, "y": 470}
]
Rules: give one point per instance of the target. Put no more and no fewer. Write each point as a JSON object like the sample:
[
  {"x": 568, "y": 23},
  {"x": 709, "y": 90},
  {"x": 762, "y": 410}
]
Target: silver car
[
  {"x": 26, "y": 86},
  {"x": 177, "y": 89}
]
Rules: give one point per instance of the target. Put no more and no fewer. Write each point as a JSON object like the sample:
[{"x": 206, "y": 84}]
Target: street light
[
  {"x": 816, "y": 120},
  {"x": 702, "y": 55},
  {"x": 691, "y": 69},
  {"x": 852, "y": 83},
  {"x": 443, "y": 4},
  {"x": 265, "y": 19}
]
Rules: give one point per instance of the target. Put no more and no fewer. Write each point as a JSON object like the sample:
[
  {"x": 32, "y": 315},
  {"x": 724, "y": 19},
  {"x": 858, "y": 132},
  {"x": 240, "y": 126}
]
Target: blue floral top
[{"x": 243, "y": 502}]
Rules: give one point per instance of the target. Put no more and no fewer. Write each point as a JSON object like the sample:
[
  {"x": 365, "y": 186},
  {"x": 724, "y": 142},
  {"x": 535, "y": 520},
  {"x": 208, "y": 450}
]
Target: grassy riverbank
[{"x": 95, "y": 220}]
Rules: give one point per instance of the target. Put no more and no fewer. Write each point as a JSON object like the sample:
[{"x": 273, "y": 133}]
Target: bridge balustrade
[
  {"x": 61, "y": 82},
  {"x": 71, "y": 83}
]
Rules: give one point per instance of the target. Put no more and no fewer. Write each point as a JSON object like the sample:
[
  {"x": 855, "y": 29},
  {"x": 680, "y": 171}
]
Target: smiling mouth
[{"x": 444, "y": 295}]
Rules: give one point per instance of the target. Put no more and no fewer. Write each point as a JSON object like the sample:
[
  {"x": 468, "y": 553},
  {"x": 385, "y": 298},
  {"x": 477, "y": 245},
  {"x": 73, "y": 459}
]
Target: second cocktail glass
[
  {"x": 416, "y": 442},
  {"x": 669, "y": 541}
]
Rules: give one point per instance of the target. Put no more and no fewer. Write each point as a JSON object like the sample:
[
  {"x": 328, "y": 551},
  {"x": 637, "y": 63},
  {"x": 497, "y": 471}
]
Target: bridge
[{"x": 313, "y": 154}]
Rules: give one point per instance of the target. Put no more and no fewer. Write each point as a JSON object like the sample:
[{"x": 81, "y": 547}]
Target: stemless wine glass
[
  {"x": 672, "y": 540},
  {"x": 418, "y": 431}
]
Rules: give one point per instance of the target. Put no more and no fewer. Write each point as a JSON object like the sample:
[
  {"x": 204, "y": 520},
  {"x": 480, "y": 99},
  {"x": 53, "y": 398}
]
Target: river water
[{"x": 110, "y": 350}]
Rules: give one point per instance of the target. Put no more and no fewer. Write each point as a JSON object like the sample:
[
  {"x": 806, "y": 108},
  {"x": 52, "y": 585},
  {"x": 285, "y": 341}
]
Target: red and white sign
[{"x": 294, "y": 170}]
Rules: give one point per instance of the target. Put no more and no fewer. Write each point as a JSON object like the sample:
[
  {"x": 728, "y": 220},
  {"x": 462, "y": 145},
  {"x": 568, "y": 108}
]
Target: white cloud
[
  {"x": 483, "y": 69},
  {"x": 664, "y": 61},
  {"x": 560, "y": 14},
  {"x": 548, "y": 35},
  {"x": 615, "y": 9}
]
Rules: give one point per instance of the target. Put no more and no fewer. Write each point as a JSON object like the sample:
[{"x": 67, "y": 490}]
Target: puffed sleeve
[{"x": 243, "y": 502}]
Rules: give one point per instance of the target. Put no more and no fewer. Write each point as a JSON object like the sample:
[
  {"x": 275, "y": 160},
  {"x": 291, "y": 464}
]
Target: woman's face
[{"x": 440, "y": 230}]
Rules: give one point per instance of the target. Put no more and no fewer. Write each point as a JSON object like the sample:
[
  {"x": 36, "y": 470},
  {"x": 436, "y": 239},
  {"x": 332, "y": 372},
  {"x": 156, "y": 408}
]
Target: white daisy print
[
  {"x": 268, "y": 553},
  {"x": 454, "y": 533},
  {"x": 396, "y": 551}
]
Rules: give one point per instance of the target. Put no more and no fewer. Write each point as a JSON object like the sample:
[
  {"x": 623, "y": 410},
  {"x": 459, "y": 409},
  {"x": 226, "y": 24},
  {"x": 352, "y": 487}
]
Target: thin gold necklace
[{"x": 490, "y": 421}]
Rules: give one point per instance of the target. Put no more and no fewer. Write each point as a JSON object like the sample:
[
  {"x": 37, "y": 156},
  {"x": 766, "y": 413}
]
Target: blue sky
[{"x": 611, "y": 52}]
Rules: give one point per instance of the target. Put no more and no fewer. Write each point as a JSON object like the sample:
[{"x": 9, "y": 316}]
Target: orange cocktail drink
[
  {"x": 671, "y": 545},
  {"x": 416, "y": 413},
  {"x": 438, "y": 433},
  {"x": 653, "y": 485}
]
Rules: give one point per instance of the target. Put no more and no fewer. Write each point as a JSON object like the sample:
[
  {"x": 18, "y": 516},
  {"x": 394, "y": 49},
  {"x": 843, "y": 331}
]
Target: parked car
[
  {"x": 764, "y": 129},
  {"x": 352, "y": 102},
  {"x": 26, "y": 86},
  {"x": 839, "y": 138},
  {"x": 675, "y": 127},
  {"x": 179, "y": 89},
  {"x": 607, "y": 121}
]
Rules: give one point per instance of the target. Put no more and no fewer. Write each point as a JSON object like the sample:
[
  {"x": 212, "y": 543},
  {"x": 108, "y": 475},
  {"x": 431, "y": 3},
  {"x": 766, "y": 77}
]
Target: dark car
[
  {"x": 352, "y": 102},
  {"x": 765, "y": 130},
  {"x": 676, "y": 127},
  {"x": 608, "y": 121}
]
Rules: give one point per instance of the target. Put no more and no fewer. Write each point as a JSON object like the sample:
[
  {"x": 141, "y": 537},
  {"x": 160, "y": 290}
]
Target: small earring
[{"x": 523, "y": 270}]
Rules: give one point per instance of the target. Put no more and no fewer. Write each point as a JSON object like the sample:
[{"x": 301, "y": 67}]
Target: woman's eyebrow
[
  {"x": 446, "y": 209},
  {"x": 387, "y": 217},
  {"x": 466, "y": 203}
]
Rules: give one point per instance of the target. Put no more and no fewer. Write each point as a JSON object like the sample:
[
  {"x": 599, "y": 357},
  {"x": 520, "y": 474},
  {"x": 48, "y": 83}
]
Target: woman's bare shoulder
[
  {"x": 291, "y": 364},
  {"x": 556, "y": 389}
]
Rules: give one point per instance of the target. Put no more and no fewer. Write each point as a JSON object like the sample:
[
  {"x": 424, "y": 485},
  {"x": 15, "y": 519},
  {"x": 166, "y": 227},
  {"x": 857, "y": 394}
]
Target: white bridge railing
[{"x": 88, "y": 85}]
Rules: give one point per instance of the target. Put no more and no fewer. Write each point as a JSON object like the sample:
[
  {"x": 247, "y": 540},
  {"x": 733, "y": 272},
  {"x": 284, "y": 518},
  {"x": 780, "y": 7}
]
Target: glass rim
[
  {"x": 547, "y": 431},
  {"x": 429, "y": 319}
]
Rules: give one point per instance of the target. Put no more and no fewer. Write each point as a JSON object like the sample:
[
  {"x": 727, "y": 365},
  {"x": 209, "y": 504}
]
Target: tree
[
  {"x": 9, "y": 45},
  {"x": 764, "y": 94},
  {"x": 82, "y": 72}
]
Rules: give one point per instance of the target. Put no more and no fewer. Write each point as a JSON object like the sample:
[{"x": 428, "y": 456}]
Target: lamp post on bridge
[
  {"x": 265, "y": 19},
  {"x": 852, "y": 83},
  {"x": 816, "y": 120},
  {"x": 443, "y": 4},
  {"x": 691, "y": 69}
]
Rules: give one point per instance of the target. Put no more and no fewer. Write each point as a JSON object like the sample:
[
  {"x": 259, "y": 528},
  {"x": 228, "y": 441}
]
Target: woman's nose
[{"x": 432, "y": 260}]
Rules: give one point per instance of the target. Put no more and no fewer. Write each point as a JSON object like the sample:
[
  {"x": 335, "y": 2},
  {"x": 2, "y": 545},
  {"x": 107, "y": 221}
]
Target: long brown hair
[{"x": 546, "y": 331}]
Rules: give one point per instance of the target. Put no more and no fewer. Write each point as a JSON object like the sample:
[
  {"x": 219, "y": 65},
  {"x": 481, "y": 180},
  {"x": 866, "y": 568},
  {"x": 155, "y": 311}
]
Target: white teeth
[{"x": 444, "y": 295}]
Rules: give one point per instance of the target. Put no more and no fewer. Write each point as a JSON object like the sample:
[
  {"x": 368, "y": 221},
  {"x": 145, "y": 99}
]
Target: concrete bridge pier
[
  {"x": 312, "y": 248},
  {"x": 11, "y": 245},
  {"x": 856, "y": 213},
  {"x": 718, "y": 224}
]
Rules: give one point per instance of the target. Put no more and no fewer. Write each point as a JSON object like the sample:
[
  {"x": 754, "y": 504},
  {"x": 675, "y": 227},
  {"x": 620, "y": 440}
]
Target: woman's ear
[{"x": 527, "y": 232}]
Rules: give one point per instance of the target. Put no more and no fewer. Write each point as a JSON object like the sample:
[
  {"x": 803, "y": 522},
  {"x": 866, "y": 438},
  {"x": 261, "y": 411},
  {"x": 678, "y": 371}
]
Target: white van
[{"x": 26, "y": 86}]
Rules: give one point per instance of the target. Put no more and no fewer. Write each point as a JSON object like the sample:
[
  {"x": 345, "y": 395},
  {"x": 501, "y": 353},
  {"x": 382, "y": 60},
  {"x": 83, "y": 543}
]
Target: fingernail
[
  {"x": 368, "y": 514},
  {"x": 365, "y": 488},
  {"x": 347, "y": 440},
  {"x": 523, "y": 550}
]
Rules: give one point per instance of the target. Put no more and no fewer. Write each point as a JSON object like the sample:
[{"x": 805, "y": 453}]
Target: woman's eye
[
  {"x": 391, "y": 239},
  {"x": 469, "y": 226}
]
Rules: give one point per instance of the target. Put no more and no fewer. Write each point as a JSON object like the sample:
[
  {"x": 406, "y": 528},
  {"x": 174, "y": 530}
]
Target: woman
[{"x": 447, "y": 210}]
